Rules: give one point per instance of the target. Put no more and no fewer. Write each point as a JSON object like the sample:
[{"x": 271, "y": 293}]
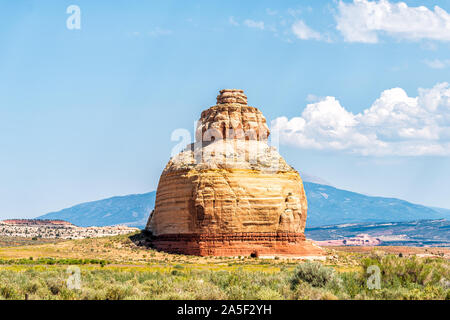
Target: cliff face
[
  {"x": 230, "y": 193},
  {"x": 224, "y": 201}
]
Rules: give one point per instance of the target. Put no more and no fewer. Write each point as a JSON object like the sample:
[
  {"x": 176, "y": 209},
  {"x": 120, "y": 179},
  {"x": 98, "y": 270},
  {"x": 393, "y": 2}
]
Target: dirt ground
[
  {"x": 405, "y": 251},
  {"x": 128, "y": 249}
]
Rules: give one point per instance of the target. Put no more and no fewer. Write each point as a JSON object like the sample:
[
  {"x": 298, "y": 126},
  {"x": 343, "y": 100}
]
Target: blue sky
[{"x": 358, "y": 89}]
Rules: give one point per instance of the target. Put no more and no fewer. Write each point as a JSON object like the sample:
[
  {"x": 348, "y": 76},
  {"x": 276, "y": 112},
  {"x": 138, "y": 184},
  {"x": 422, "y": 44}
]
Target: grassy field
[
  {"x": 14, "y": 242},
  {"x": 118, "y": 268}
]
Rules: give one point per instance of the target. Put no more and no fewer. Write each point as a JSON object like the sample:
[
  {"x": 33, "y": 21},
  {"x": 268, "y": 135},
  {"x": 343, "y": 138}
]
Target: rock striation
[{"x": 230, "y": 193}]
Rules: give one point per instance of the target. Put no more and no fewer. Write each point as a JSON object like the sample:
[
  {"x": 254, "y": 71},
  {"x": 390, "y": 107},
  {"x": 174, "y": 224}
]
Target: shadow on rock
[{"x": 142, "y": 239}]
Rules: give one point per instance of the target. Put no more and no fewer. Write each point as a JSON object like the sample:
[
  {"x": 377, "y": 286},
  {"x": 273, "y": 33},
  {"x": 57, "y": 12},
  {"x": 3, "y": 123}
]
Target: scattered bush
[
  {"x": 406, "y": 272},
  {"x": 402, "y": 278},
  {"x": 32, "y": 287},
  {"x": 313, "y": 273},
  {"x": 7, "y": 291},
  {"x": 55, "y": 286},
  {"x": 52, "y": 261},
  {"x": 118, "y": 292},
  {"x": 268, "y": 294}
]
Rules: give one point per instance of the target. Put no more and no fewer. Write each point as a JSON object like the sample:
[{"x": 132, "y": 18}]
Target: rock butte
[{"x": 230, "y": 193}]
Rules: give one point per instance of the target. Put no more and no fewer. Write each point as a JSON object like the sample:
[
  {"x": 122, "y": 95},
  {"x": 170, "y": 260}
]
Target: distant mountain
[
  {"x": 326, "y": 206},
  {"x": 310, "y": 178},
  {"x": 131, "y": 210},
  {"x": 412, "y": 233},
  {"x": 441, "y": 210},
  {"x": 329, "y": 206}
]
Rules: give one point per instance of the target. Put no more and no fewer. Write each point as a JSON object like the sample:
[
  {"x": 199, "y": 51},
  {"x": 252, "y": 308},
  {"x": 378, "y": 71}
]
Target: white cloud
[
  {"x": 294, "y": 12},
  {"x": 364, "y": 21},
  {"x": 302, "y": 31},
  {"x": 438, "y": 64},
  {"x": 254, "y": 24},
  {"x": 233, "y": 22},
  {"x": 313, "y": 98},
  {"x": 395, "y": 124},
  {"x": 159, "y": 32},
  {"x": 271, "y": 12}
]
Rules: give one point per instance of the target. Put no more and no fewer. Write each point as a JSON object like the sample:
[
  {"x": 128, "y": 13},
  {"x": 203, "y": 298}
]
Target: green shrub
[
  {"x": 305, "y": 291},
  {"x": 268, "y": 294},
  {"x": 55, "y": 286},
  {"x": 118, "y": 292},
  {"x": 176, "y": 273},
  {"x": 352, "y": 283},
  {"x": 407, "y": 272},
  {"x": 313, "y": 273},
  {"x": 7, "y": 291},
  {"x": 32, "y": 287}
]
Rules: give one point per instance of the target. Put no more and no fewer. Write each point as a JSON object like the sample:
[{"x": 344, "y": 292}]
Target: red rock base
[{"x": 237, "y": 244}]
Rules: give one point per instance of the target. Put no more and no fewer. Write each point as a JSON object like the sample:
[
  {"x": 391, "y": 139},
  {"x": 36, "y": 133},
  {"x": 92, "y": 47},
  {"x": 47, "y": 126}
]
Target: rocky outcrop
[
  {"x": 232, "y": 119},
  {"x": 227, "y": 96},
  {"x": 57, "y": 229},
  {"x": 230, "y": 193},
  {"x": 36, "y": 222}
]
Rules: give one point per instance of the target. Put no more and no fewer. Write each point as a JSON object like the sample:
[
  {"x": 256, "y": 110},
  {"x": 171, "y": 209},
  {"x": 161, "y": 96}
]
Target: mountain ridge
[
  {"x": 327, "y": 205},
  {"x": 352, "y": 207},
  {"x": 425, "y": 232},
  {"x": 130, "y": 210}
]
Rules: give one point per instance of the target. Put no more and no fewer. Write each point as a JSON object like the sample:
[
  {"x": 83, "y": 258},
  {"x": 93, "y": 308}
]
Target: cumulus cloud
[
  {"x": 302, "y": 31},
  {"x": 254, "y": 24},
  {"x": 364, "y": 21},
  {"x": 438, "y": 64},
  {"x": 395, "y": 124}
]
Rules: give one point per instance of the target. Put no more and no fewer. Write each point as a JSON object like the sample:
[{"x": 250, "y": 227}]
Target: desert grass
[
  {"x": 402, "y": 278},
  {"x": 116, "y": 268}
]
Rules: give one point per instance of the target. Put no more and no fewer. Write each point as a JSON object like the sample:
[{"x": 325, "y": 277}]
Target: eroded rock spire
[{"x": 234, "y": 195}]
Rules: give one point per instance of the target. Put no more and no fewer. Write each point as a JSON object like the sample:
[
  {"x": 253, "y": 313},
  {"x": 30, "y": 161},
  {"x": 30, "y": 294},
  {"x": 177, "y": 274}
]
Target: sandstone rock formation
[{"x": 230, "y": 193}]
